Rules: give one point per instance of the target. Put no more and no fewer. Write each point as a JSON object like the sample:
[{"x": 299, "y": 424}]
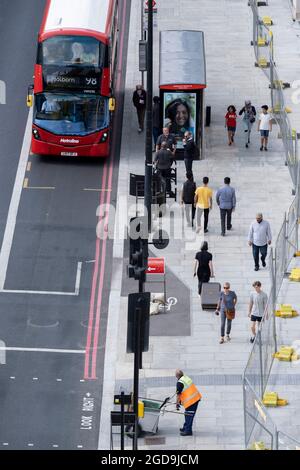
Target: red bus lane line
[
  {"x": 94, "y": 285},
  {"x": 108, "y": 199},
  {"x": 101, "y": 280}
]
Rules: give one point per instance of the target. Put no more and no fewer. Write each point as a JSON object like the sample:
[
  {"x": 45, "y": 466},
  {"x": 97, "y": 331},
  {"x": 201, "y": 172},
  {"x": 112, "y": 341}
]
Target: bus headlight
[
  {"x": 104, "y": 138},
  {"x": 36, "y": 134}
]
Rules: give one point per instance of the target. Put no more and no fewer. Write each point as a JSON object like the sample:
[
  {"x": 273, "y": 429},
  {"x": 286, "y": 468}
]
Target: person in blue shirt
[{"x": 226, "y": 201}]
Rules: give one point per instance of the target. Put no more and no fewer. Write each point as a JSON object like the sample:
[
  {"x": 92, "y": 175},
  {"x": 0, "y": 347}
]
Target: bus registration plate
[{"x": 69, "y": 154}]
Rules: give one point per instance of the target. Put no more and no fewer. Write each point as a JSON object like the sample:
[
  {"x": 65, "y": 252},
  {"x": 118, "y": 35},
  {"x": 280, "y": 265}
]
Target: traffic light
[{"x": 138, "y": 251}]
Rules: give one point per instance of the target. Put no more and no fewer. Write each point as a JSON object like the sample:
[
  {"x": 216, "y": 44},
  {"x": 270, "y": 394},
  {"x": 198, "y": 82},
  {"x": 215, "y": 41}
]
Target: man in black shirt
[
  {"x": 168, "y": 138},
  {"x": 163, "y": 161},
  {"x": 189, "y": 150},
  {"x": 187, "y": 198},
  {"x": 139, "y": 99}
]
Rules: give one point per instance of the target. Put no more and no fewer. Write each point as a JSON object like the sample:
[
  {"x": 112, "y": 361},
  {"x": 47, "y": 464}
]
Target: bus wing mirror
[
  {"x": 30, "y": 96},
  {"x": 112, "y": 104}
]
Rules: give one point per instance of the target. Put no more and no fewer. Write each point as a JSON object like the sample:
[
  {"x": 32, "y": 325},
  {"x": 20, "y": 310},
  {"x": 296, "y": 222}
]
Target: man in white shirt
[
  {"x": 259, "y": 238},
  {"x": 264, "y": 126},
  {"x": 257, "y": 306}
]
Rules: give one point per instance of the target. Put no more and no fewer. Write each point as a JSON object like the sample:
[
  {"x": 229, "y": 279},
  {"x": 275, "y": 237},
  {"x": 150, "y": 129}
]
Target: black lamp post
[{"x": 149, "y": 123}]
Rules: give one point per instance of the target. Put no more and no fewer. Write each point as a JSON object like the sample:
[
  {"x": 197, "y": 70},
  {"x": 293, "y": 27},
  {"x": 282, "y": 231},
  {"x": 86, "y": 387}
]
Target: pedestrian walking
[
  {"x": 259, "y": 238},
  {"x": 156, "y": 130},
  {"x": 203, "y": 266},
  {"x": 226, "y": 201},
  {"x": 188, "y": 396},
  {"x": 168, "y": 138},
  {"x": 257, "y": 307},
  {"x": 226, "y": 307},
  {"x": 203, "y": 203},
  {"x": 264, "y": 126},
  {"x": 187, "y": 198},
  {"x": 163, "y": 161},
  {"x": 139, "y": 100},
  {"x": 230, "y": 123},
  {"x": 249, "y": 112},
  {"x": 190, "y": 150}
]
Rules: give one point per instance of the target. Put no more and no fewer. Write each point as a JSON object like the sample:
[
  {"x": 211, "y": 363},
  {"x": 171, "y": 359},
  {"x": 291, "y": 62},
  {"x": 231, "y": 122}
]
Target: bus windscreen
[
  {"x": 71, "y": 51},
  {"x": 64, "y": 114}
]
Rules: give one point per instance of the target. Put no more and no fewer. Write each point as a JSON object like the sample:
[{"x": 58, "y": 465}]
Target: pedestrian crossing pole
[{"x": 148, "y": 145}]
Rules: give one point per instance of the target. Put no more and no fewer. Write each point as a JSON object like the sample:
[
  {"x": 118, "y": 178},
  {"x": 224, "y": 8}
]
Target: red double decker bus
[{"x": 74, "y": 78}]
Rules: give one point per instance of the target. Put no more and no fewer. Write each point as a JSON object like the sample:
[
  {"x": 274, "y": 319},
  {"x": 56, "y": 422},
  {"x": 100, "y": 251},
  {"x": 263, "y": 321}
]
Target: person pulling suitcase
[{"x": 203, "y": 266}]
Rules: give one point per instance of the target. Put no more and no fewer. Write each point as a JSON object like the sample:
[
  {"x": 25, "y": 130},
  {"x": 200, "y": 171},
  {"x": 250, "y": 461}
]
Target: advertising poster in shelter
[{"x": 180, "y": 114}]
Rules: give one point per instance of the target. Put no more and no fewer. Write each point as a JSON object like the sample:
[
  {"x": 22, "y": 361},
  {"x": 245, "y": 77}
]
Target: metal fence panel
[
  {"x": 280, "y": 256},
  {"x": 268, "y": 340},
  {"x": 259, "y": 427},
  {"x": 253, "y": 370},
  {"x": 292, "y": 231}
]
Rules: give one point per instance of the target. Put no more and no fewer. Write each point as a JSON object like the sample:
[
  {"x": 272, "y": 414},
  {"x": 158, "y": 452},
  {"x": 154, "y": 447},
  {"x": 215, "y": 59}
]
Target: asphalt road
[{"x": 53, "y": 308}]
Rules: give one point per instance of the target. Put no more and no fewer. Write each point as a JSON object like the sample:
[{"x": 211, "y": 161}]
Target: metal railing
[
  {"x": 260, "y": 429},
  {"x": 263, "y": 44},
  {"x": 259, "y": 365}
]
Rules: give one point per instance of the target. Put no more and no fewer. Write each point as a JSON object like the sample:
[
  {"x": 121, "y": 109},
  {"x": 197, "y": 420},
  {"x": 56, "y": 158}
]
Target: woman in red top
[{"x": 230, "y": 123}]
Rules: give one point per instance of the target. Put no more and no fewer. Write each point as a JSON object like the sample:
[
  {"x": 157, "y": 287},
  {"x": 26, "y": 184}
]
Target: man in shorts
[
  {"x": 264, "y": 126},
  {"x": 257, "y": 306}
]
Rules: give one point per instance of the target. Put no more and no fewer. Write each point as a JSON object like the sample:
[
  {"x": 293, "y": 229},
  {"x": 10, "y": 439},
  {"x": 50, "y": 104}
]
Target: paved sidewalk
[{"x": 262, "y": 183}]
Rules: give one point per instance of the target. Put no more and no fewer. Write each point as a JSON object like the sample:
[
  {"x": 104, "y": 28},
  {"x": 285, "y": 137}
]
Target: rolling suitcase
[{"x": 210, "y": 295}]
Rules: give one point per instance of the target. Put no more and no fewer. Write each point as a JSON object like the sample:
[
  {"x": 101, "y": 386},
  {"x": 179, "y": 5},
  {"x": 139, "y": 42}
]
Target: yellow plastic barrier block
[
  {"x": 259, "y": 445},
  {"x": 286, "y": 353},
  {"x": 272, "y": 399},
  {"x": 288, "y": 110},
  {"x": 261, "y": 42},
  {"x": 276, "y": 109},
  {"x": 282, "y": 402},
  {"x": 267, "y": 21},
  {"x": 295, "y": 275},
  {"x": 286, "y": 311},
  {"x": 262, "y": 62}
]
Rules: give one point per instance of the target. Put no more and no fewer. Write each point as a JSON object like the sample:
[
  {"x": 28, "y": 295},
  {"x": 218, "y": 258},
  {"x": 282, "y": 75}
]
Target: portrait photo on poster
[{"x": 180, "y": 114}]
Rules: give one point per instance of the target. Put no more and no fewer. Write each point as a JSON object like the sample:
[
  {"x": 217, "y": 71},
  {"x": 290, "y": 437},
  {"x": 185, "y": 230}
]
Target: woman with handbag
[
  {"x": 248, "y": 120},
  {"x": 226, "y": 306}
]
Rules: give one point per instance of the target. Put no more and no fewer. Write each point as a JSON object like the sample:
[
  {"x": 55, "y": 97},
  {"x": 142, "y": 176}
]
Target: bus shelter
[{"x": 182, "y": 81}]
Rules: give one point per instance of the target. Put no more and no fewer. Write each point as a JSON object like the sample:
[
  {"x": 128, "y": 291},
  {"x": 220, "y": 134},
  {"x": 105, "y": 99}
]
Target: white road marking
[
  {"x": 5, "y": 444},
  {"x": 35, "y": 378},
  {"x": 12, "y": 378},
  {"x": 54, "y": 445},
  {"x": 62, "y": 351},
  {"x": 79, "y": 447},
  {"x": 14, "y": 203},
  {"x": 40, "y": 292},
  {"x": 30, "y": 445},
  {"x": 82, "y": 380},
  {"x": 58, "y": 380},
  {"x": 78, "y": 277}
]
